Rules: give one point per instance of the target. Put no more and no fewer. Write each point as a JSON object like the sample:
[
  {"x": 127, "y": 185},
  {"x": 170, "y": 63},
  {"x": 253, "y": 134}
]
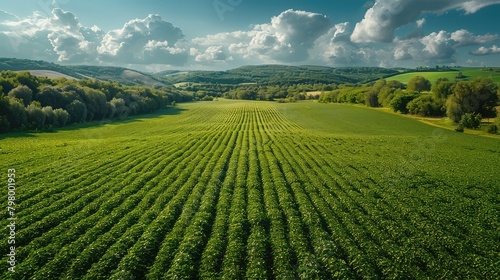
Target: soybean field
[{"x": 254, "y": 190}]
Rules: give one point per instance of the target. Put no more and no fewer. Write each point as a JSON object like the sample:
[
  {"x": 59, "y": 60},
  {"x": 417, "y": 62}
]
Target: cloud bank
[
  {"x": 292, "y": 37},
  {"x": 382, "y": 20}
]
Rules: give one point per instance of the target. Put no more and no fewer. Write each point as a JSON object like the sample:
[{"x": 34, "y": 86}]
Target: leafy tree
[
  {"x": 50, "y": 117},
  {"x": 419, "y": 84},
  {"x": 470, "y": 120},
  {"x": 400, "y": 102},
  {"x": 4, "y": 110},
  {"x": 379, "y": 85},
  {"x": 442, "y": 88},
  {"x": 17, "y": 114},
  {"x": 96, "y": 104},
  {"x": 371, "y": 99},
  {"x": 426, "y": 105},
  {"x": 25, "y": 78},
  {"x": 478, "y": 96},
  {"x": 51, "y": 96},
  {"x": 486, "y": 92},
  {"x": 4, "y": 124},
  {"x": 62, "y": 117},
  {"x": 119, "y": 109},
  {"x": 78, "y": 111},
  {"x": 7, "y": 84},
  {"x": 23, "y": 93},
  {"x": 36, "y": 117},
  {"x": 395, "y": 84}
]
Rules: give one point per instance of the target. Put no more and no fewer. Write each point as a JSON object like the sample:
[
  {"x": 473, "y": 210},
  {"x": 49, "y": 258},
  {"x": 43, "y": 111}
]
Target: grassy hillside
[
  {"x": 468, "y": 74},
  {"x": 49, "y": 74},
  {"x": 28, "y": 65},
  {"x": 122, "y": 75},
  {"x": 104, "y": 73},
  {"x": 235, "y": 189}
]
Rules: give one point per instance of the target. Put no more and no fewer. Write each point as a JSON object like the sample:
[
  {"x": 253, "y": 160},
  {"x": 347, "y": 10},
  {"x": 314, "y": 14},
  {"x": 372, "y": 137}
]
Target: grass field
[
  {"x": 468, "y": 73},
  {"x": 261, "y": 190}
]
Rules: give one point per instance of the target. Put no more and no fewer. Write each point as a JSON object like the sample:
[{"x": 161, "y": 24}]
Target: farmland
[
  {"x": 261, "y": 190},
  {"x": 467, "y": 74}
]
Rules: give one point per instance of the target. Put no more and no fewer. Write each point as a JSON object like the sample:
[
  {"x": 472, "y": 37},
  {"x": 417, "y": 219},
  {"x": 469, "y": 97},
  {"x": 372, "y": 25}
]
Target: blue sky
[{"x": 155, "y": 35}]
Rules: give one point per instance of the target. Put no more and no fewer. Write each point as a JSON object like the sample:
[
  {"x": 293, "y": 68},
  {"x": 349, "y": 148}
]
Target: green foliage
[
  {"x": 36, "y": 117},
  {"x": 79, "y": 100},
  {"x": 470, "y": 120},
  {"x": 118, "y": 109},
  {"x": 419, "y": 84},
  {"x": 257, "y": 190},
  {"x": 77, "y": 111},
  {"x": 493, "y": 129},
  {"x": 426, "y": 105},
  {"x": 23, "y": 93},
  {"x": 371, "y": 99},
  {"x": 400, "y": 102},
  {"x": 442, "y": 88},
  {"x": 51, "y": 96},
  {"x": 17, "y": 114},
  {"x": 50, "y": 116},
  {"x": 62, "y": 117},
  {"x": 478, "y": 96},
  {"x": 283, "y": 75}
]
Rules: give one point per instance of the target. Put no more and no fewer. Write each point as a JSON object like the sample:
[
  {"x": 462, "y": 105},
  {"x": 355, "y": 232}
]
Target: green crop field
[
  {"x": 468, "y": 73},
  {"x": 260, "y": 190}
]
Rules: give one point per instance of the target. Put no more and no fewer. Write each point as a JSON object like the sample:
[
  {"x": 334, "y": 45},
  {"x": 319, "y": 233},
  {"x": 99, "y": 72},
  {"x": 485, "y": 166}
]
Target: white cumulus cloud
[
  {"x": 142, "y": 41},
  {"x": 466, "y": 38},
  {"x": 487, "y": 51},
  {"x": 381, "y": 21}
]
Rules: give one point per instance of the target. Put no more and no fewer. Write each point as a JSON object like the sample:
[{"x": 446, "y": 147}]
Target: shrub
[
  {"x": 426, "y": 106},
  {"x": 493, "y": 129},
  {"x": 400, "y": 102},
  {"x": 472, "y": 121}
]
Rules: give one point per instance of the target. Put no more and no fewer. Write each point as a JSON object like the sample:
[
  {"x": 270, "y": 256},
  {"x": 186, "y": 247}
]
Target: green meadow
[
  {"x": 468, "y": 74},
  {"x": 262, "y": 190}
]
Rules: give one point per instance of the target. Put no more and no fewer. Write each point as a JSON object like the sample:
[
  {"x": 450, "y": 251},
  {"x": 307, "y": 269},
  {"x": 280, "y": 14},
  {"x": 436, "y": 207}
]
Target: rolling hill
[
  {"x": 282, "y": 75},
  {"x": 105, "y": 73},
  {"x": 466, "y": 74}
]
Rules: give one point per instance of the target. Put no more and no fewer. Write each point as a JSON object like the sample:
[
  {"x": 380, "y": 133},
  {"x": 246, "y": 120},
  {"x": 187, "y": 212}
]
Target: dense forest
[
  {"x": 30, "y": 102},
  {"x": 281, "y": 75}
]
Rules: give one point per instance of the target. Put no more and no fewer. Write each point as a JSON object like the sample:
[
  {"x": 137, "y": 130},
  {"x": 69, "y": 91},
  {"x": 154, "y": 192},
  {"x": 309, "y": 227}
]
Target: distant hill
[
  {"x": 105, "y": 73},
  {"x": 282, "y": 75},
  {"x": 15, "y": 64},
  {"x": 49, "y": 74},
  {"x": 119, "y": 74}
]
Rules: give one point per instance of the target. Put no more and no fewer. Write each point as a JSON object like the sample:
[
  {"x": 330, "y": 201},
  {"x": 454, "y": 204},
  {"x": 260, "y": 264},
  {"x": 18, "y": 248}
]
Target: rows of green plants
[{"x": 238, "y": 190}]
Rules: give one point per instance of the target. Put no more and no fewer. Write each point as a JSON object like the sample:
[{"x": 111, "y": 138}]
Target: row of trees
[
  {"x": 32, "y": 102},
  {"x": 262, "y": 92},
  {"x": 464, "y": 102}
]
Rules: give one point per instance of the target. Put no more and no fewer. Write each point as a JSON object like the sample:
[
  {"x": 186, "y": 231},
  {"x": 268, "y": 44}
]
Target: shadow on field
[
  {"x": 169, "y": 111},
  {"x": 18, "y": 134}
]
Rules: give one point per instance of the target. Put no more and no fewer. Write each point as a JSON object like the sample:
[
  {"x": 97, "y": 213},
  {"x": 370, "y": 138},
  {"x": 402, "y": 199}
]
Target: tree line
[
  {"x": 31, "y": 102},
  {"x": 466, "y": 103}
]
